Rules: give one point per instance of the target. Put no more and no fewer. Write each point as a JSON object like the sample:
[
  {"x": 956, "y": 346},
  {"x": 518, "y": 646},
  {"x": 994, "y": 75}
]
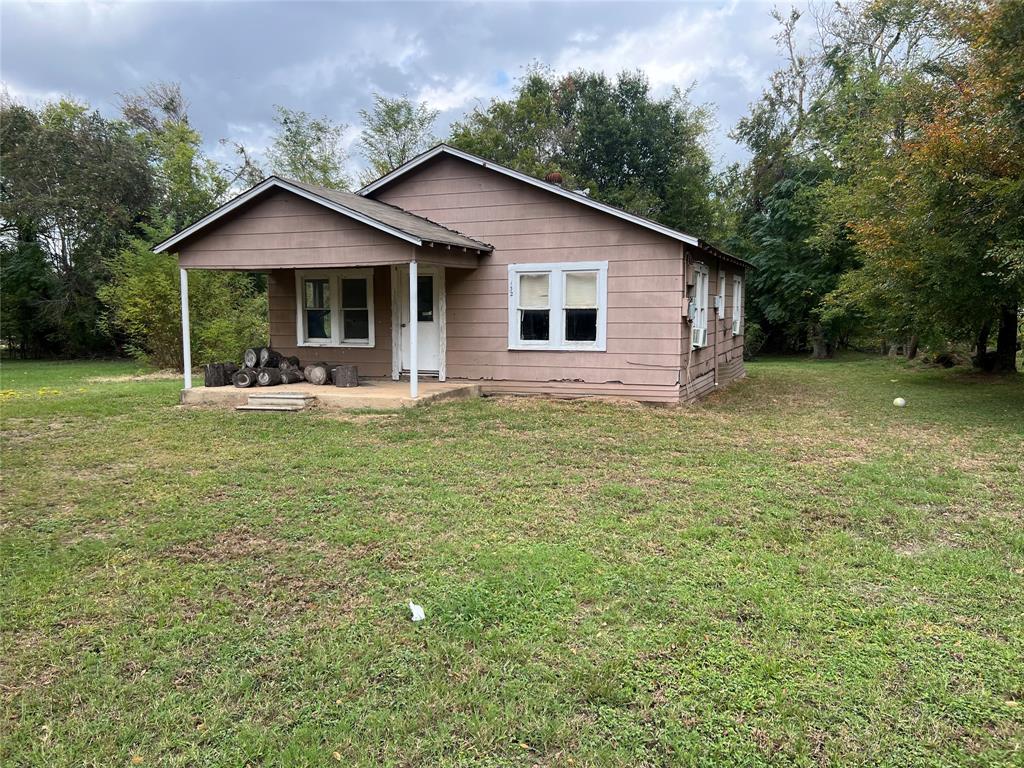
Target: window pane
[
  {"x": 581, "y": 325},
  {"x": 318, "y": 294},
  {"x": 534, "y": 324},
  {"x": 425, "y": 298},
  {"x": 581, "y": 289},
  {"x": 353, "y": 293},
  {"x": 356, "y": 325},
  {"x": 318, "y": 323},
  {"x": 533, "y": 291}
]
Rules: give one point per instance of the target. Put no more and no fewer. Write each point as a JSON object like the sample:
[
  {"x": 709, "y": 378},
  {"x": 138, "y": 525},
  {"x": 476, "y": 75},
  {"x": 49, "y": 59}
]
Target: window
[
  {"x": 317, "y": 309},
  {"x": 737, "y": 305},
  {"x": 335, "y": 308},
  {"x": 355, "y": 309},
  {"x": 721, "y": 294},
  {"x": 699, "y": 307},
  {"x": 558, "y": 306},
  {"x": 425, "y": 298}
]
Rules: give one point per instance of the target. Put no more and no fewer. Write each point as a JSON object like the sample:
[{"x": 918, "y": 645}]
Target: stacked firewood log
[{"x": 265, "y": 367}]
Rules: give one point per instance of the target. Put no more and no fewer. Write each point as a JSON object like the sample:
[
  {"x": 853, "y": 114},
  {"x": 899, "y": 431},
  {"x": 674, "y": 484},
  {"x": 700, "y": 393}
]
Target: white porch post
[
  {"x": 414, "y": 350},
  {"x": 186, "y": 332}
]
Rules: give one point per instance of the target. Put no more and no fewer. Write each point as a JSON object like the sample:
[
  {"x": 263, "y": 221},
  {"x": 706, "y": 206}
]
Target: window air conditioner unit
[
  {"x": 736, "y": 327},
  {"x": 699, "y": 337}
]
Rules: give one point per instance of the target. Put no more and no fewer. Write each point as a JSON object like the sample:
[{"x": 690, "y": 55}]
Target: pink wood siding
[
  {"x": 699, "y": 372},
  {"x": 285, "y": 230},
  {"x": 375, "y": 361},
  {"x": 525, "y": 224}
]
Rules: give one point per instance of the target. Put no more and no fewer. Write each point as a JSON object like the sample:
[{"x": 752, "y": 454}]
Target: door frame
[{"x": 440, "y": 307}]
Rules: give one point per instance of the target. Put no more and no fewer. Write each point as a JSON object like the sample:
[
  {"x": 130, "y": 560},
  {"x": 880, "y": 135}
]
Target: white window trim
[
  {"x": 737, "y": 305},
  {"x": 556, "y": 291},
  {"x": 700, "y": 302},
  {"x": 334, "y": 276}
]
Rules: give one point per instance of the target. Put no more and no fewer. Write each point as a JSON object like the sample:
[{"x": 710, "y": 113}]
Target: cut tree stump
[
  {"x": 245, "y": 378},
  {"x": 269, "y": 358},
  {"x": 317, "y": 373},
  {"x": 214, "y": 375},
  {"x": 345, "y": 376},
  {"x": 268, "y": 377},
  {"x": 291, "y": 376},
  {"x": 251, "y": 357}
]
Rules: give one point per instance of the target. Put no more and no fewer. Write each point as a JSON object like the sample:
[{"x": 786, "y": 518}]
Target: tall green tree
[
  {"x": 72, "y": 184},
  {"x": 309, "y": 149},
  {"x": 228, "y": 309},
  {"x": 938, "y": 215},
  {"x": 394, "y": 131},
  {"x": 189, "y": 184},
  {"x": 612, "y": 137}
]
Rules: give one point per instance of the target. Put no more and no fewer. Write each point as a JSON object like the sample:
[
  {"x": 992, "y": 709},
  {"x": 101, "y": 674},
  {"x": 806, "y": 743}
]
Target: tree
[
  {"x": 190, "y": 185},
  {"x": 309, "y": 149},
  {"x": 394, "y": 131},
  {"x": 777, "y": 199},
  {"x": 611, "y": 137},
  {"x": 866, "y": 121},
  {"x": 73, "y": 183},
  {"x": 938, "y": 216},
  {"x": 228, "y": 309}
]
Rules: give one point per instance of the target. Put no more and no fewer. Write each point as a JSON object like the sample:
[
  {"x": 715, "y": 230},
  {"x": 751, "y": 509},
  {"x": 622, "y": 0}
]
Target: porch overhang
[
  {"x": 285, "y": 225},
  {"x": 386, "y": 219}
]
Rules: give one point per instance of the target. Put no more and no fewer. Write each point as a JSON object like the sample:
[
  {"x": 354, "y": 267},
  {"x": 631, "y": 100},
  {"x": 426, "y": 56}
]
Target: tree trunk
[
  {"x": 251, "y": 357},
  {"x": 317, "y": 373},
  {"x": 345, "y": 376},
  {"x": 214, "y": 375},
  {"x": 821, "y": 347},
  {"x": 912, "y": 347},
  {"x": 982, "y": 359},
  {"x": 269, "y": 358},
  {"x": 981, "y": 345},
  {"x": 268, "y": 377},
  {"x": 245, "y": 378},
  {"x": 1006, "y": 340},
  {"x": 291, "y": 376}
]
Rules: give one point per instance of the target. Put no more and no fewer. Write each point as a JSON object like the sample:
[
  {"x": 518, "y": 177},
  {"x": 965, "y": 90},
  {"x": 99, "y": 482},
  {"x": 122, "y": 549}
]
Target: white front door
[{"x": 430, "y": 290}]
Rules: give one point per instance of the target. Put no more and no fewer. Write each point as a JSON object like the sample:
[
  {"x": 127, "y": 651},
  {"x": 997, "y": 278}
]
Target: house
[{"x": 455, "y": 267}]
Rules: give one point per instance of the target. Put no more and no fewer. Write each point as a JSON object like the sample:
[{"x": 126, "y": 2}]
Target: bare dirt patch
[{"x": 161, "y": 375}]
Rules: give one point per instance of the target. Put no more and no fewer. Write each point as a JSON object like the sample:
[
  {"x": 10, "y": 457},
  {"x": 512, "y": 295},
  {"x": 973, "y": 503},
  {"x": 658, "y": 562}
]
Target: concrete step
[
  {"x": 279, "y": 401},
  {"x": 270, "y": 407}
]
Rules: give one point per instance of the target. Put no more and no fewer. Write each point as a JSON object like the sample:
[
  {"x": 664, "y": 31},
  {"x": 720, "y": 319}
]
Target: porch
[
  {"x": 350, "y": 281},
  {"x": 371, "y": 394}
]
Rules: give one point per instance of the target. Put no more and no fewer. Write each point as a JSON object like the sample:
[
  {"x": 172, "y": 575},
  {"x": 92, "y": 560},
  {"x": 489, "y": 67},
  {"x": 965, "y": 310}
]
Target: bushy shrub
[
  {"x": 753, "y": 340},
  {"x": 227, "y": 310}
]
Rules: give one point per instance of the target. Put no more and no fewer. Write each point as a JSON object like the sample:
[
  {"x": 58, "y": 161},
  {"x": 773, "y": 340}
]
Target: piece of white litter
[
  {"x": 899, "y": 402},
  {"x": 417, "y": 611}
]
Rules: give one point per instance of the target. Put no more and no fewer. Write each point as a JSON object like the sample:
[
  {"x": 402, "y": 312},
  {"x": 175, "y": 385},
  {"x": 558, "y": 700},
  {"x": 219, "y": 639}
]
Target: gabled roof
[
  {"x": 387, "y": 218},
  {"x": 444, "y": 149}
]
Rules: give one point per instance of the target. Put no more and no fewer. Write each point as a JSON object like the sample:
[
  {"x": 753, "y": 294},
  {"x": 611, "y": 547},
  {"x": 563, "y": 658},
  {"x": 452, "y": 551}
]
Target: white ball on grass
[{"x": 899, "y": 402}]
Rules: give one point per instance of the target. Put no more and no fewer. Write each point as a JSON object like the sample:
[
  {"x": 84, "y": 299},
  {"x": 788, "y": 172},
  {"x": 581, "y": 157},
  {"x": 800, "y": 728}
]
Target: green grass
[{"x": 792, "y": 573}]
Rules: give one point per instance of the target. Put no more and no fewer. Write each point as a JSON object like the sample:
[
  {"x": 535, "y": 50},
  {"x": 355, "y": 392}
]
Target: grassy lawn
[{"x": 794, "y": 572}]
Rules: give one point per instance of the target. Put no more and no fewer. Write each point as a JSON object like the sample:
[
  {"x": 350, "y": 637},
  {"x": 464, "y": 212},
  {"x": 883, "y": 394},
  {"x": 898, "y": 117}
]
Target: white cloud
[
  {"x": 688, "y": 45},
  {"x": 446, "y": 94},
  {"x": 364, "y": 47},
  {"x": 35, "y": 98}
]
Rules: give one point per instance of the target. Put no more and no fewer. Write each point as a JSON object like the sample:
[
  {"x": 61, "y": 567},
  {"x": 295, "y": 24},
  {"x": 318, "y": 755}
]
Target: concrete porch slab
[{"x": 380, "y": 394}]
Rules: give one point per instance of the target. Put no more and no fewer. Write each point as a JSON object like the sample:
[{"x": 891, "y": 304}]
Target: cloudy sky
[{"x": 236, "y": 60}]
